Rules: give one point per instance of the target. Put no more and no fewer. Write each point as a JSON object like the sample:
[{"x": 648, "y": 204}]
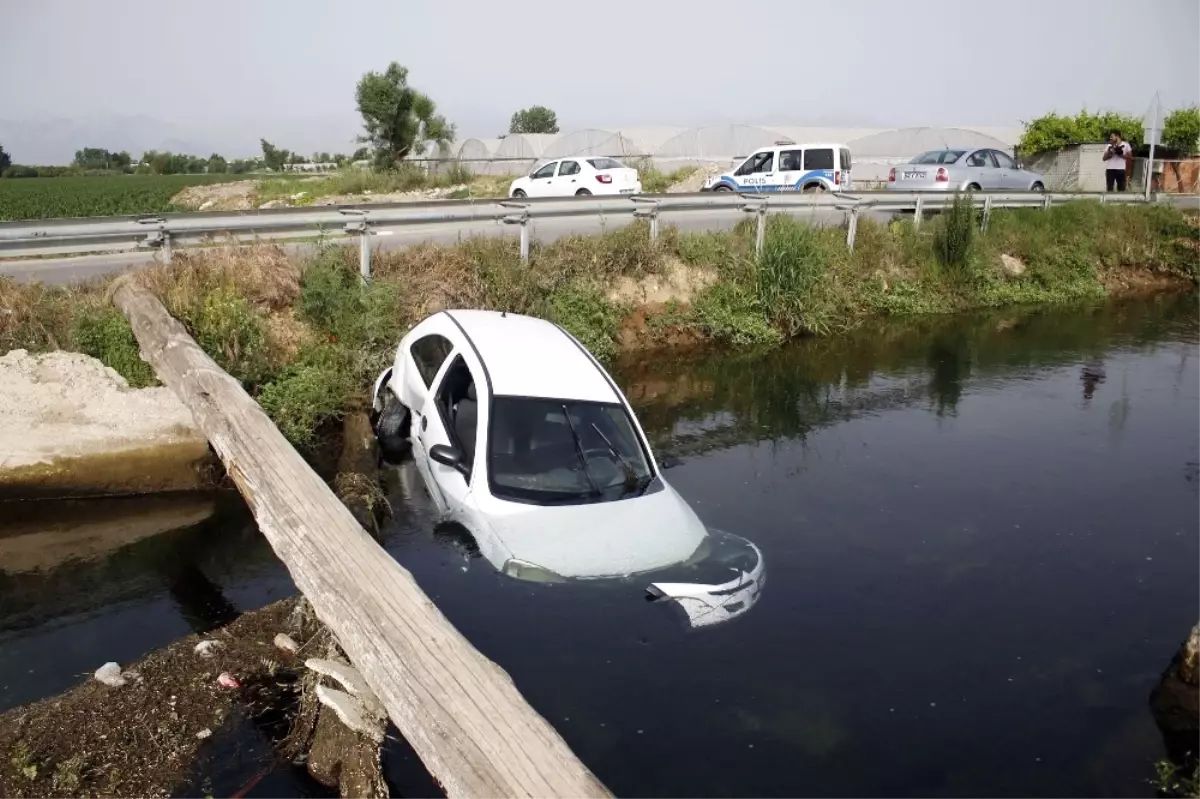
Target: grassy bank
[{"x": 306, "y": 338}]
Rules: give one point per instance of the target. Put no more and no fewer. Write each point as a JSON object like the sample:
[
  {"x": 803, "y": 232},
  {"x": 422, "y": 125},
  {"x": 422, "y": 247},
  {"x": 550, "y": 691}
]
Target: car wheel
[
  {"x": 392, "y": 428},
  {"x": 1038, "y": 187},
  {"x": 974, "y": 187},
  {"x": 814, "y": 188},
  {"x": 583, "y": 193},
  {"x": 519, "y": 193},
  {"x": 722, "y": 187}
]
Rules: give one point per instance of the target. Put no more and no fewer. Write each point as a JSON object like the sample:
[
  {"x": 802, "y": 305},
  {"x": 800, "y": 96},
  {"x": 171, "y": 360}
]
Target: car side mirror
[{"x": 448, "y": 455}]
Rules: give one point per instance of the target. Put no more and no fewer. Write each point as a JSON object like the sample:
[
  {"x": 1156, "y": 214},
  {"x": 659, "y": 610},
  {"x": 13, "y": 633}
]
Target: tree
[
  {"x": 1181, "y": 130},
  {"x": 5, "y": 160},
  {"x": 397, "y": 118},
  {"x": 217, "y": 164},
  {"x": 361, "y": 154},
  {"x": 1054, "y": 132},
  {"x": 273, "y": 156},
  {"x": 535, "y": 119}
]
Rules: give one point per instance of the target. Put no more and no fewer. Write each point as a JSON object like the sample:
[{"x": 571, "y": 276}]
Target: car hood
[{"x": 602, "y": 539}]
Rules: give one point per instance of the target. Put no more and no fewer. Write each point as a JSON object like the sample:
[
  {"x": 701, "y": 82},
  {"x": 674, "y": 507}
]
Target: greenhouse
[{"x": 874, "y": 150}]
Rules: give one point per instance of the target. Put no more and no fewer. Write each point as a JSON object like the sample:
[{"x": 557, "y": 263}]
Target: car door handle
[{"x": 424, "y": 423}]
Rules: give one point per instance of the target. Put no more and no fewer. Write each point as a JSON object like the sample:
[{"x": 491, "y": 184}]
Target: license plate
[
  {"x": 912, "y": 175},
  {"x": 627, "y": 191}
]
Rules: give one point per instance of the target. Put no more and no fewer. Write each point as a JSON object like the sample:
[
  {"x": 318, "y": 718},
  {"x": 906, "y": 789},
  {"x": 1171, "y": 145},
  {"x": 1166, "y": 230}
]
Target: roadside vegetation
[
  {"x": 307, "y": 338},
  {"x": 95, "y": 196}
]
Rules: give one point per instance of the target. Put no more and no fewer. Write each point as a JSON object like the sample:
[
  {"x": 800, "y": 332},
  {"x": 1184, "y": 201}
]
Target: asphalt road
[{"x": 75, "y": 269}]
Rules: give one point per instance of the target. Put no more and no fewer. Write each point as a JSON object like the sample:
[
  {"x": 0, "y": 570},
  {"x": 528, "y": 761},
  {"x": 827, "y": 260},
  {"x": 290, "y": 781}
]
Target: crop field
[{"x": 111, "y": 195}]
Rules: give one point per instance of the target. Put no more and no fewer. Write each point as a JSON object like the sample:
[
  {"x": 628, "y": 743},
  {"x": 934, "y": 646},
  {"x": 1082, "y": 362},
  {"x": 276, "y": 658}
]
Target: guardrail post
[
  {"x": 357, "y": 225},
  {"x": 987, "y": 213},
  {"x": 648, "y": 209},
  {"x": 520, "y": 218},
  {"x": 852, "y": 228},
  {"x": 1046, "y": 201},
  {"x": 756, "y": 204},
  {"x": 159, "y": 238},
  {"x": 919, "y": 212}
]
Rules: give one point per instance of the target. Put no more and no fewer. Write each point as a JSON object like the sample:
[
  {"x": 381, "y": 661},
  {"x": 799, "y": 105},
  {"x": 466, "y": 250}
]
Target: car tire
[
  {"x": 392, "y": 428},
  {"x": 722, "y": 187},
  {"x": 583, "y": 193},
  {"x": 519, "y": 193},
  {"x": 974, "y": 187},
  {"x": 814, "y": 188},
  {"x": 1037, "y": 187}
]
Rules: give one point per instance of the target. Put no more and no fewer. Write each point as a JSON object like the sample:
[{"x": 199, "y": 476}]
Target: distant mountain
[{"x": 55, "y": 140}]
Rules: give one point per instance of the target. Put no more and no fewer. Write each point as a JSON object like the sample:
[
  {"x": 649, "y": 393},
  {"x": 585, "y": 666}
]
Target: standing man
[{"x": 1117, "y": 158}]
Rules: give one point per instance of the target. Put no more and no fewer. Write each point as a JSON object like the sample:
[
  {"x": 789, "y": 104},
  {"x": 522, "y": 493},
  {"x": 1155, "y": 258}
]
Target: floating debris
[
  {"x": 207, "y": 649},
  {"x": 227, "y": 680},
  {"x": 110, "y": 675},
  {"x": 286, "y": 643}
]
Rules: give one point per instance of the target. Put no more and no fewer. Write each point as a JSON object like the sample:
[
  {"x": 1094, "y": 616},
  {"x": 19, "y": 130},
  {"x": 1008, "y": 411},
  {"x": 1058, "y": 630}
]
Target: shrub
[
  {"x": 1181, "y": 130},
  {"x": 954, "y": 232},
  {"x": 590, "y": 317},
  {"x": 1053, "y": 132},
  {"x": 795, "y": 259},
  {"x": 233, "y": 332},
  {"x": 105, "y": 334},
  {"x": 308, "y": 396}
]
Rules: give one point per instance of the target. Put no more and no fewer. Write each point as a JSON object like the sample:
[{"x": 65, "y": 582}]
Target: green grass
[
  {"x": 358, "y": 181},
  {"x": 307, "y": 339},
  {"x": 656, "y": 181},
  {"x": 110, "y": 195}
]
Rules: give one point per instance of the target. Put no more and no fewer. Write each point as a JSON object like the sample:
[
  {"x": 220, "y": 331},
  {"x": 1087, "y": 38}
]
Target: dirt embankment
[{"x": 69, "y": 424}]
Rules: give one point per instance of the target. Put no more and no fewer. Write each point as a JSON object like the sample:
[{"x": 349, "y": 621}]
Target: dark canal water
[{"x": 981, "y": 535}]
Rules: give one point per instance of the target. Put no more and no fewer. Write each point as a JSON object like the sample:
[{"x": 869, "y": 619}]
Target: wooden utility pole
[{"x": 461, "y": 713}]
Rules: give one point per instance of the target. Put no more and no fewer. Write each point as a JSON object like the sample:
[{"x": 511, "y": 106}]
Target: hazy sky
[{"x": 224, "y": 72}]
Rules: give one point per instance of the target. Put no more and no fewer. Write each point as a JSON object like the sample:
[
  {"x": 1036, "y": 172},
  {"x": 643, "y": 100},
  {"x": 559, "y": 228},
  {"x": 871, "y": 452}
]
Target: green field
[{"x": 111, "y": 195}]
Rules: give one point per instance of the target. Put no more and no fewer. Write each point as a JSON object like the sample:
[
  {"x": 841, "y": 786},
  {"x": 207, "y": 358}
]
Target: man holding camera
[{"x": 1117, "y": 158}]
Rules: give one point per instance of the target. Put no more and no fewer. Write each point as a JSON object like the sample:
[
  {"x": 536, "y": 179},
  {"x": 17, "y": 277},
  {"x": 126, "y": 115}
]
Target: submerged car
[
  {"x": 577, "y": 177},
  {"x": 964, "y": 170},
  {"x": 523, "y": 439}
]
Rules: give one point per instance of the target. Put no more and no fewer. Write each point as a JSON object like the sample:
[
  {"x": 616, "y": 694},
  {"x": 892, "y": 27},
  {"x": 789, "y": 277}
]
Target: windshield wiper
[
  {"x": 631, "y": 477},
  {"x": 579, "y": 450}
]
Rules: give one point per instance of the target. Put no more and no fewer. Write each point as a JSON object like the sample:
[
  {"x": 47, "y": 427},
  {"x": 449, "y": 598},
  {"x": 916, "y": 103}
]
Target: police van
[{"x": 787, "y": 166}]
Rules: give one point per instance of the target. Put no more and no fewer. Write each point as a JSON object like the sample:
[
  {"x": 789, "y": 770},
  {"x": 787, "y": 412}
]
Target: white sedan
[
  {"x": 521, "y": 436},
  {"x": 576, "y": 177}
]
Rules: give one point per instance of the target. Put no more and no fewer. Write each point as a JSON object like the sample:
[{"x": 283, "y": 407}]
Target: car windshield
[
  {"x": 556, "y": 452},
  {"x": 605, "y": 163},
  {"x": 938, "y": 157}
]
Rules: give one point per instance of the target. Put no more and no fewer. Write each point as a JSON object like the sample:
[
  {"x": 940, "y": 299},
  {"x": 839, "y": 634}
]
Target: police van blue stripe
[{"x": 823, "y": 175}]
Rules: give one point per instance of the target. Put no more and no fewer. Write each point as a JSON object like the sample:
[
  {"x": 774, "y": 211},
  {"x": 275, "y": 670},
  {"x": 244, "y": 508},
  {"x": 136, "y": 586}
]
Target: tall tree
[
  {"x": 5, "y": 160},
  {"x": 1181, "y": 130},
  {"x": 217, "y": 164},
  {"x": 535, "y": 119},
  {"x": 398, "y": 119},
  {"x": 274, "y": 157}
]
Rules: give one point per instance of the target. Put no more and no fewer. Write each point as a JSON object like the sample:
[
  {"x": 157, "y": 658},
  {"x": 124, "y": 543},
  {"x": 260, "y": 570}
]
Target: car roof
[
  {"x": 803, "y": 145},
  {"x": 529, "y": 357}
]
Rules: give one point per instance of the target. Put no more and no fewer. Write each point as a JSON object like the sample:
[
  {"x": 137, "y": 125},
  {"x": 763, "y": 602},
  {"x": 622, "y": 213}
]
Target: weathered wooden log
[{"x": 461, "y": 713}]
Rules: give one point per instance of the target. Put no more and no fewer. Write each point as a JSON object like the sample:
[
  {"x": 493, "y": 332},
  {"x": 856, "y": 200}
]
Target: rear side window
[
  {"x": 605, "y": 163},
  {"x": 791, "y": 160},
  {"x": 568, "y": 168},
  {"x": 818, "y": 159},
  {"x": 428, "y": 353},
  {"x": 846, "y": 164}
]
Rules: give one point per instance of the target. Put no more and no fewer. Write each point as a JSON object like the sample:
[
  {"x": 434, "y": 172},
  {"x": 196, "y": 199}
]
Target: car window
[
  {"x": 764, "y": 162},
  {"x": 428, "y": 353},
  {"x": 458, "y": 405},
  {"x": 568, "y": 168},
  {"x": 1003, "y": 160},
  {"x": 791, "y": 160},
  {"x": 557, "y": 452},
  {"x": 938, "y": 157},
  {"x": 820, "y": 158},
  {"x": 547, "y": 171},
  {"x": 605, "y": 163},
  {"x": 980, "y": 158}
]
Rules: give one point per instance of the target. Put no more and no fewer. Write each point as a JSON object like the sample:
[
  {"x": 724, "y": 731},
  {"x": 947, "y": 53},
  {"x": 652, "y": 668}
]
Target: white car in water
[
  {"x": 577, "y": 177},
  {"x": 521, "y": 436}
]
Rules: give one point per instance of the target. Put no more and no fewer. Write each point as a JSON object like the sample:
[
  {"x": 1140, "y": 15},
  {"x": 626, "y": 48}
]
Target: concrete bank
[{"x": 70, "y": 426}]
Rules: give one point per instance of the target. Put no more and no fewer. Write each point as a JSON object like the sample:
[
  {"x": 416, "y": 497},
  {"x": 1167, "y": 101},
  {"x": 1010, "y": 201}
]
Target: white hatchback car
[
  {"x": 576, "y": 177},
  {"x": 521, "y": 436}
]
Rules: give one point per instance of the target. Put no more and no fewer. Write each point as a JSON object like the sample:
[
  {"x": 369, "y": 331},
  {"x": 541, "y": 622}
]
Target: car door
[
  {"x": 982, "y": 171},
  {"x": 542, "y": 180},
  {"x": 1010, "y": 177},
  {"x": 451, "y": 417},
  {"x": 568, "y": 180},
  {"x": 790, "y": 169},
  {"x": 417, "y": 369},
  {"x": 758, "y": 173}
]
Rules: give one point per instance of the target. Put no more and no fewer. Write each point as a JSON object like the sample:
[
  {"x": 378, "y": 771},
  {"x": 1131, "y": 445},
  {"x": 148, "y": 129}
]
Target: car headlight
[{"x": 531, "y": 572}]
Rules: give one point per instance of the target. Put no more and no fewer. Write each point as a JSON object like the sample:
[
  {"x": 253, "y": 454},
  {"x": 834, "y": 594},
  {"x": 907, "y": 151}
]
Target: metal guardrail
[{"x": 39, "y": 238}]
